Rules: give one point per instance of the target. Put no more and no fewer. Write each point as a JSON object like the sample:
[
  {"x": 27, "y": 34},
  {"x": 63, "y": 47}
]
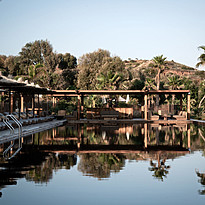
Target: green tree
[
  {"x": 68, "y": 64},
  {"x": 91, "y": 65},
  {"x": 2, "y": 60},
  {"x": 3, "y": 68},
  {"x": 34, "y": 53},
  {"x": 201, "y": 57},
  {"x": 12, "y": 64}
]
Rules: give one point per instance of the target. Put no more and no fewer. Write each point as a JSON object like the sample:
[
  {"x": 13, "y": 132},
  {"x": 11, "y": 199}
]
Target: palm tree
[
  {"x": 160, "y": 63},
  {"x": 110, "y": 80},
  {"x": 201, "y": 57},
  {"x": 175, "y": 83}
]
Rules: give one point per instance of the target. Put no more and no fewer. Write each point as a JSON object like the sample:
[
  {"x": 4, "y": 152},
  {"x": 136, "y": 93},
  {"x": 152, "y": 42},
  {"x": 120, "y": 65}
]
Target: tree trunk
[{"x": 158, "y": 84}]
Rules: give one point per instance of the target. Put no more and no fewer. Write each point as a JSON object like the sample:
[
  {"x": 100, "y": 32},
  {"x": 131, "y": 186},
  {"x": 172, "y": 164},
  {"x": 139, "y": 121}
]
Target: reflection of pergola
[
  {"x": 81, "y": 93},
  {"x": 22, "y": 90}
]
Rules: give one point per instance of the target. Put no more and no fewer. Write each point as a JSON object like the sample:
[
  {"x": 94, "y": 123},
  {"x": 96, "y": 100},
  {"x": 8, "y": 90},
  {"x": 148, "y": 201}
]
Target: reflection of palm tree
[
  {"x": 160, "y": 170},
  {"x": 202, "y": 181}
]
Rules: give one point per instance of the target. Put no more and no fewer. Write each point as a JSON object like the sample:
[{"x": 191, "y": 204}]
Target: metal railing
[{"x": 9, "y": 125}]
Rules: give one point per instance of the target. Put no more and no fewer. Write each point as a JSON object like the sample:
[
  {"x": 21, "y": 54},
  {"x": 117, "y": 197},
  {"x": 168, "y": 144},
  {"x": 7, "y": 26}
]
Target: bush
[{"x": 69, "y": 106}]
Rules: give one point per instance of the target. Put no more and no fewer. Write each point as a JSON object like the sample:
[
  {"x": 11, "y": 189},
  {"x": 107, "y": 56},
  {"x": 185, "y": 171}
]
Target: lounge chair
[{"x": 181, "y": 116}]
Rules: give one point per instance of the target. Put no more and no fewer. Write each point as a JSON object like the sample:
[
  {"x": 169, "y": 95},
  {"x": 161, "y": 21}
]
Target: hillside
[{"x": 148, "y": 69}]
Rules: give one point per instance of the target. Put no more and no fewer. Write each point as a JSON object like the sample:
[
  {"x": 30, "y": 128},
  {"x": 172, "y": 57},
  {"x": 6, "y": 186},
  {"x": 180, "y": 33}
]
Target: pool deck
[
  {"x": 5, "y": 135},
  {"x": 126, "y": 121}
]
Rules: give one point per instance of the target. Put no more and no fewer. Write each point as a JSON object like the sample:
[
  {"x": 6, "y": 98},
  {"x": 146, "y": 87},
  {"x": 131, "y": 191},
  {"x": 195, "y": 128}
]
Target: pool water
[{"x": 107, "y": 164}]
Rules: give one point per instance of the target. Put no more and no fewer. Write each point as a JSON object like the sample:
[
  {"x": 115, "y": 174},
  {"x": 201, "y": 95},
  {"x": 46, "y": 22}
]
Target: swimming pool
[{"x": 107, "y": 164}]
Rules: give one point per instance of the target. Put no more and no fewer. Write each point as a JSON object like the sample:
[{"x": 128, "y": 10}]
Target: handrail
[
  {"x": 18, "y": 123},
  {"x": 6, "y": 122}
]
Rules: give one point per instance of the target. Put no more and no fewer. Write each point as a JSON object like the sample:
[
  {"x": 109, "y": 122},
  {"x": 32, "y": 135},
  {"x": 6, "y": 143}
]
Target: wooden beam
[{"x": 115, "y": 92}]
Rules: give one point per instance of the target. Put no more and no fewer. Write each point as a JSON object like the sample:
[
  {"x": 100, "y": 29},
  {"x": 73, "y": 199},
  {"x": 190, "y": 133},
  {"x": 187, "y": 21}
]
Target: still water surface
[{"x": 107, "y": 164}]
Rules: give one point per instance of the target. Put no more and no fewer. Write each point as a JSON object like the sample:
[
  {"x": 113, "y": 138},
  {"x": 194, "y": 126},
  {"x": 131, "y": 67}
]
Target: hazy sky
[{"x": 127, "y": 28}]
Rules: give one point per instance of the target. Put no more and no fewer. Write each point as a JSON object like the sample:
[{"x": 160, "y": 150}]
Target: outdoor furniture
[
  {"x": 61, "y": 114},
  {"x": 109, "y": 114},
  {"x": 153, "y": 117},
  {"x": 73, "y": 116},
  {"x": 181, "y": 116}
]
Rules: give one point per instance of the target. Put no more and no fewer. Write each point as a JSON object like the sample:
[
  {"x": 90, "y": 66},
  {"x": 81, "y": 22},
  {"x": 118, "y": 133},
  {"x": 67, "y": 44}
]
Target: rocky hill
[{"x": 148, "y": 69}]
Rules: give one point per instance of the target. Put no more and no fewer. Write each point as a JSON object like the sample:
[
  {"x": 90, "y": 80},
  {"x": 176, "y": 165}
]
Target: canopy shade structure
[{"x": 22, "y": 87}]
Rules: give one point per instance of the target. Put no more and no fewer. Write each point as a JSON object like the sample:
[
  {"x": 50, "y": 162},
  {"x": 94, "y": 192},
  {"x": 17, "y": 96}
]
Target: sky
[{"x": 132, "y": 29}]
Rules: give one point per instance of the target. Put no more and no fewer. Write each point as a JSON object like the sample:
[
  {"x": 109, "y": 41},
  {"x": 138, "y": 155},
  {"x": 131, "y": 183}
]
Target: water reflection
[
  {"x": 101, "y": 165},
  {"x": 201, "y": 180},
  {"x": 102, "y": 150},
  {"x": 160, "y": 169}
]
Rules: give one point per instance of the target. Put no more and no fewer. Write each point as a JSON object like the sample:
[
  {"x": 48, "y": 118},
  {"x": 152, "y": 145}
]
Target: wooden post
[
  {"x": 173, "y": 135},
  {"x": 47, "y": 105},
  {"x": 12, "y": 102},
  {"x": 180, "y": 102},
  {"x": 82, "y": 106},
  {"x": 189, "y": 136},
  {"x": 19, "y": 105},
  {"x": 26, "y": 100},
  {"x": 33, "y": 104},
  {"x": 145, "y": 135},
  {"x": 79, "y": 106},
  {"x": 188, "y": 106},
  {"x": 9, "y": 101},
  {"x": 79, "y": 136},
  {"x": 53, "y": 101},
  {"x": 145, "y": 107},
  {"x": 2, "y": 102},
  {"x": 22, "y": 103},
  {"x": 38, "y": 106}
]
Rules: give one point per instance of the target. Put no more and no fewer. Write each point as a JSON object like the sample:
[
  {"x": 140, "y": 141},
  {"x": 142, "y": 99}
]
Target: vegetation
[{"x": 38, "y": 63}]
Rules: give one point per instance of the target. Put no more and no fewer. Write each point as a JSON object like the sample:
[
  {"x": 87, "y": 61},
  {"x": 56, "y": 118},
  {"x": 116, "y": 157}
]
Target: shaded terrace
[{"x": 145, "y": 108}]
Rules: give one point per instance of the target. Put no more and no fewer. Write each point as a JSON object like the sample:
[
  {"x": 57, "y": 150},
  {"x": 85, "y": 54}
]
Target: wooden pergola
[
  {"x": 81, "y": 93},
  {"x": 22, "y": 90}
]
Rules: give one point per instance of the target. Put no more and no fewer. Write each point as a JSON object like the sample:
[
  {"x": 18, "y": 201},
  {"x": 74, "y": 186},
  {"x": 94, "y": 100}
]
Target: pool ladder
[{"x": 9, "y": 125}]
